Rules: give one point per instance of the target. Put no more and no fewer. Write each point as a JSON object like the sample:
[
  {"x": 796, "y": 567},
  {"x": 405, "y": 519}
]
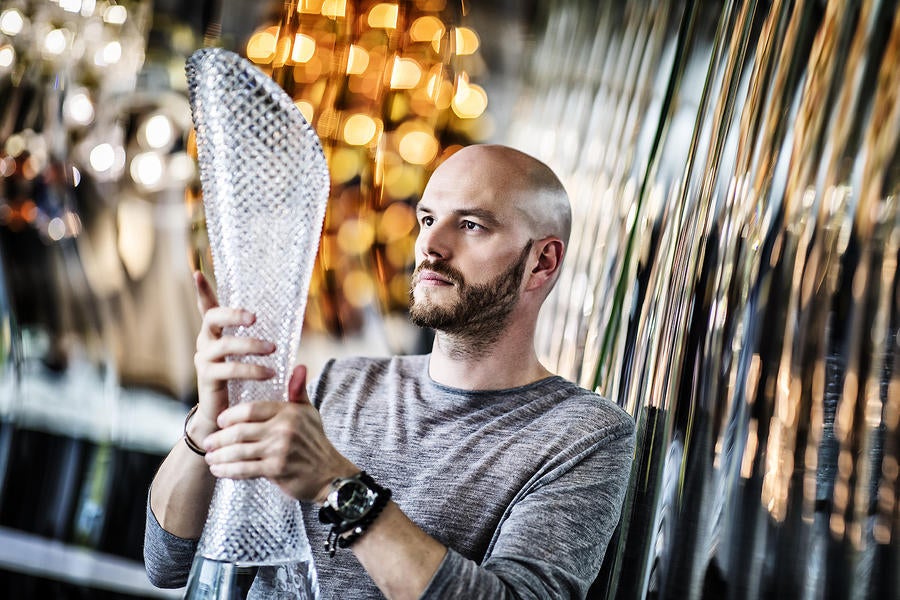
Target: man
[{"x": 507, "y": 481}]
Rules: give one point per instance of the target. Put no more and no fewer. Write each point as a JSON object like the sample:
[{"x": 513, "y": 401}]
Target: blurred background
[{"x": 731, "y": 281}]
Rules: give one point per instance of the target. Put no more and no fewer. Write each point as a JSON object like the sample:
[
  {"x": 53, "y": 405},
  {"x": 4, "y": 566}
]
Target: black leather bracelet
[
  {"x": 344, "y": 533},
  {"x": 360, "y": 527}
]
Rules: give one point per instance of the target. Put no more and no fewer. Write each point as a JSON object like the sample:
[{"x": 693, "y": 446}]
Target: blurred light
[
  {"x": 7, "y": 166},
  {"x": 396, "y": 222},
  {"x": 29, "y": 211},
  {"x": 357, "y": 60},
  {"x": 15, "y": 145},
  {"x": 309, "y": 7},
  {"x": 401, "y": 181},
  {"x": 79, "y": 108},
  {"x": 87, "y": 7},
  {"x": 360, "y": 129},
  {"x": 334, "y": 8},
  {"x": 400, "y": 252},
  {"x": 418, "y": 147},
  {"x": 466, "y": 40},
  {"x": 306, "y": 109},
  {"x": 282, "y": 51},
  {"x": 359, "y": 288},
  {"x": 157, "y": 132},
  {"x": 191, "y": 145},
  {"x": 7, "y": 56},
  {"x": 399, "y": 287},
  {"x": 399, "y": 107},
  {"x": 32, "y": 167},
  {"x": 383, "y": 16},
  {"x": 56, "y": 229},
  {"x": 136, "y": 239},
  {"x": 440, "y": 92},
  {"x": 344, "y": 164},
  {"x": 112, "y": 52},
  {"x": 479, "y": 129},
  {"x": 425, "y": 29},
  {"x": 470, "y": 100},
  {"x": 72, "y": 6},
  {"x": 261, "y": 46},
  {"x": 435, "y": 5},
  {"x": 181, "y": 167},
  {"x": 304, "y": 48},
  {"x": 405, "y": 74},
  {"x": 11, "y": 21},
  {"x": 115, "y": 14},
  {"x": 309, "y": 71},
  {"x": 147, "y": 169},
  {"x": 102, "y": 157},
  {"x": 55, "y": 42},
  {"x": 355, "y": 236}
]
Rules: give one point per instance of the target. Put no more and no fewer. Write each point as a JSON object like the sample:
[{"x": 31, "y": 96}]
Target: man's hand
[
  {"x": 213, "y": 370},
  {"x": 282, "y": 441}
]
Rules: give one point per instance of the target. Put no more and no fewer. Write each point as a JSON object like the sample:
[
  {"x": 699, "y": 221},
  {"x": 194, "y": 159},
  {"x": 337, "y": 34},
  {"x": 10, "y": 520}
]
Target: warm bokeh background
[{"x": 734, "y": 170}]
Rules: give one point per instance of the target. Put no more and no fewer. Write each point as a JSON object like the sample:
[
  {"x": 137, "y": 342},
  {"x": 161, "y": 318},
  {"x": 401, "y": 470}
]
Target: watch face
[{"x": 353, "y": 500}]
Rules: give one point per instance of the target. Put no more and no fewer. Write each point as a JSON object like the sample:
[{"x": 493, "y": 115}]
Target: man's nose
[{"x": 433, "y": 242}]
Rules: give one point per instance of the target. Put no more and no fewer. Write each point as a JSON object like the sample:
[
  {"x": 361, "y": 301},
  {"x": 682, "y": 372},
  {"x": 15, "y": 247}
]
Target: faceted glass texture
[{"x": 265, "y": 188}]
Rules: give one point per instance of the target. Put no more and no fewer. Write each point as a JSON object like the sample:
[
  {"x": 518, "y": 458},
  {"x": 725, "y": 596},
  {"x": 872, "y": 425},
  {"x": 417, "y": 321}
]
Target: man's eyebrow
[
  {"x": 485, "y": 215},
  {"x": 488, "y": 216}
]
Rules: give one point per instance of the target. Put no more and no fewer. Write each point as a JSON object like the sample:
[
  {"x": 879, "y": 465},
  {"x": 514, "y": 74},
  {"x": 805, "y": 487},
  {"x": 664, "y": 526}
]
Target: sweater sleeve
[
  {"x": 552, "y": 540},
  {"x": 167, "y": 557}
]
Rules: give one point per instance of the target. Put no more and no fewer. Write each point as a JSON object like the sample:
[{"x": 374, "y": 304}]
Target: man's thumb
[{"x": 297, "y": 386}]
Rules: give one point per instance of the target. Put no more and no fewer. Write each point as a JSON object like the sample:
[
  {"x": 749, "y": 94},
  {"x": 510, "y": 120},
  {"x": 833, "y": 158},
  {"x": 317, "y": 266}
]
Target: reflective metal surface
[{"x": 732, "y": 282}]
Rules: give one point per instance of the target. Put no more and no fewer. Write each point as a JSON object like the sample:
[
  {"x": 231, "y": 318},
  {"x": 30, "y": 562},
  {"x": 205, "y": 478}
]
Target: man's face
[
  {"x": 471, "y": 253},
  {"x": 479, "y": 310}
]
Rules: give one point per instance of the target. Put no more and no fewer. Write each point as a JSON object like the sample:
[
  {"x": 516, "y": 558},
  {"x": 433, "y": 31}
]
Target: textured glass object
[{"x": 265, "y": 186}]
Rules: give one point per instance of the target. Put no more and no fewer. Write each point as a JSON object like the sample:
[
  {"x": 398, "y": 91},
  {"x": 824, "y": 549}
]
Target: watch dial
[{"x": 354, "y": 500}]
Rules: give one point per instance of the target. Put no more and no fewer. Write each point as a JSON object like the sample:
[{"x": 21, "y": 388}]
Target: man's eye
[
  {"x": 427, "y": 221},
  {"x": 471, "y": 226}
]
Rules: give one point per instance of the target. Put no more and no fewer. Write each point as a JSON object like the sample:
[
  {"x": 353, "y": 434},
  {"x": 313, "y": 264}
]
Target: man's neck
[{"x": 507, "y": 363}]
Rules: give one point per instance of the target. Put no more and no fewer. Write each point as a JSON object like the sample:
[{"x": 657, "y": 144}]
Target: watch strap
[{"x": 355, "y": 528}]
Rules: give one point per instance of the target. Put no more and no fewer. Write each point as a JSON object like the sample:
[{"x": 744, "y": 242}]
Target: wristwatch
[{"x": 350, "y": 500}]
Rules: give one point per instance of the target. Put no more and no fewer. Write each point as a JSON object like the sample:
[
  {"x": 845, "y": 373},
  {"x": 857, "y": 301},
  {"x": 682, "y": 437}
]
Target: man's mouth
[{"x": 430, "y": 277}]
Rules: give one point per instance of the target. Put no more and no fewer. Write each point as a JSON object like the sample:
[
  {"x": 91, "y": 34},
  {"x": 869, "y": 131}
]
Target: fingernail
[
  {"x": 270, "y": 347},
  {"x": 248, "y": 318}
]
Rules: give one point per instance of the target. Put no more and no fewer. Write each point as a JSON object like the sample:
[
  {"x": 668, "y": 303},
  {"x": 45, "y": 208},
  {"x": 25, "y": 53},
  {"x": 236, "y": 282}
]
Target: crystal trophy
[{"x": 265, "y": 187}]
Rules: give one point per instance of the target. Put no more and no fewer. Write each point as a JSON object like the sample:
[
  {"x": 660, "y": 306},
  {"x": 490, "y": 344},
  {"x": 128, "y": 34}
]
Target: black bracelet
[
  {"x": 336, "y": 538},
  {"x": 187, "y": 439}
]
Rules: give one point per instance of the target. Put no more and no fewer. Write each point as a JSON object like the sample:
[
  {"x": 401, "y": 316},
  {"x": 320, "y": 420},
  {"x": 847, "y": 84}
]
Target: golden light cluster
[{"x": 387, "y": 87}]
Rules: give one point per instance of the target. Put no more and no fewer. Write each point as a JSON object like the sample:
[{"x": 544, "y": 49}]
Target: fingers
[
  {"x": 297, "y": 386},
  {"x": 234, "y": 442},
  {"x": 222, "y": 371},
  {"x": 246, "y": 448},
  {"x": 219, "y": 317},
  {"x": 249, "y": 412},
  {"x": 206, "y": 297},
  {"x": 218, "y": 349}
]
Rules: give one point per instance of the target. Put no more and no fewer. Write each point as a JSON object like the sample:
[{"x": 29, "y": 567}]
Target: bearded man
[{"x": 486, "y": 476}]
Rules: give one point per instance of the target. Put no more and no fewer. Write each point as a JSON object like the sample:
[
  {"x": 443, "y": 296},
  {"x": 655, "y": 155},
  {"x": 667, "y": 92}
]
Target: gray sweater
[{"x": 523, "y": 485}]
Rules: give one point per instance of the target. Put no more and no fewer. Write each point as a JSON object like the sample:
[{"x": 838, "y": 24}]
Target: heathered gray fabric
[{"x": 524, "y": 485}]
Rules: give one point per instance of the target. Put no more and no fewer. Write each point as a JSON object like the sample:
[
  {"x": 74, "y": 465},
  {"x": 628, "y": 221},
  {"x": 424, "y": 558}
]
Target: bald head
[{"x": 524, "y": 181}]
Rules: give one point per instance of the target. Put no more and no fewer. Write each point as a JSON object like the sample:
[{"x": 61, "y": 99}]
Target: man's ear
[{"x": 550, "y": 255}]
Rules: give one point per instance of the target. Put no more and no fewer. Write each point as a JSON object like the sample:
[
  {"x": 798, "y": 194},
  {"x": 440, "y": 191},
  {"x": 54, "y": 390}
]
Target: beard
[{"x": 479, "y": 314}]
